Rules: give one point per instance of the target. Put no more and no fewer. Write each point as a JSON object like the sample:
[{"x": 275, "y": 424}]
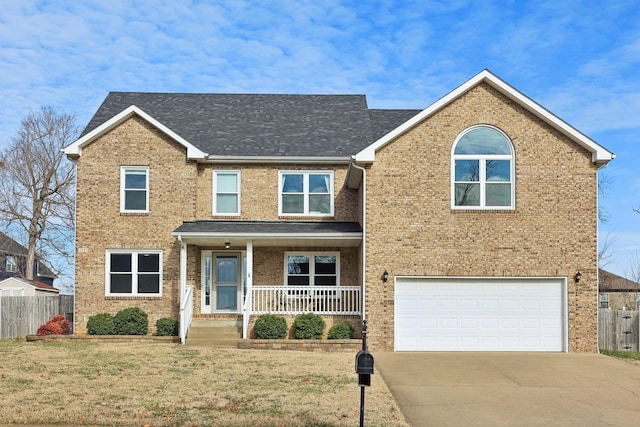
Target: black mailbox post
[{"x": 364, "y": 369}]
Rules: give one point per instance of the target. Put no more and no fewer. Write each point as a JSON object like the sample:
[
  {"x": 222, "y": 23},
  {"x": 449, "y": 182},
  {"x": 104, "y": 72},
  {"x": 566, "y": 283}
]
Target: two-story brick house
[
  {"x": 459, "y": 227},
  {"x": 13, "y": 262}
]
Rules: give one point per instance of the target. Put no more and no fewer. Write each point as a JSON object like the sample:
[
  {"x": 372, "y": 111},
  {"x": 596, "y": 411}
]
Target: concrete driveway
[{"x": 512, "y": 389}]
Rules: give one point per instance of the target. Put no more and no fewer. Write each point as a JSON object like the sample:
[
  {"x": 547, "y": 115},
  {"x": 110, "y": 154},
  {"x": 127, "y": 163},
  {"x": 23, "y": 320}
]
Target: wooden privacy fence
[
  {"x": 618, "y": 330},
  {"x": 21, "y": 316}
]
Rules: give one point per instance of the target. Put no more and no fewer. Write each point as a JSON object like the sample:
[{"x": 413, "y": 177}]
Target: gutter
[{"x": 364, "y": 236}]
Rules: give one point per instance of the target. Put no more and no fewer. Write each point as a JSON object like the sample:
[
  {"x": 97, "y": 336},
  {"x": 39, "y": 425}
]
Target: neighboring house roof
[
  {"x": 600, "y": 155},
  {"x": 11, "y": 247},
  {"x": 219, "y": 126},
  {"x": 31, "y": 283},
  {"x": 272, "y": 232},
  {"x": 609, "y": 282}
]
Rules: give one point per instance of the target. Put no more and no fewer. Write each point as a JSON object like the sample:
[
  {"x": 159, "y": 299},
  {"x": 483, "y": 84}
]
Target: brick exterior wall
[
  {"x": 179, "y": 190},
  {"x": 412, "y": 230}
]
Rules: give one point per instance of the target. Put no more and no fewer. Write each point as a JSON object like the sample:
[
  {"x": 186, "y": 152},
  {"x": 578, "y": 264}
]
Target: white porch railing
[
  {"x": 330, "y": 300},
  {"x": 186, "y": 313}
]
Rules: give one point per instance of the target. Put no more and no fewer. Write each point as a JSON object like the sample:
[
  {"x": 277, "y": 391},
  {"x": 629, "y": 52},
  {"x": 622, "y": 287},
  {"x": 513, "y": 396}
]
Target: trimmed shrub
[
  {"x": 101, "y": 324},
  {"x": 57, "y": 325},
  {"x": 308, "y": 326},
  {"x": 131, "y": 321},
  {"x": 167, "y": 327},
  {"x": 341, "y": 331},
  {"x": 270, "y": 327}
]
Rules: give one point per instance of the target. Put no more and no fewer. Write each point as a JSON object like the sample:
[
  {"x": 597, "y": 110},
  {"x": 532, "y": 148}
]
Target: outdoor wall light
[
  {"x": 578, "y": 277},
  {"x": 227, "y": 245},
  {"x": 385, "y": 276}
]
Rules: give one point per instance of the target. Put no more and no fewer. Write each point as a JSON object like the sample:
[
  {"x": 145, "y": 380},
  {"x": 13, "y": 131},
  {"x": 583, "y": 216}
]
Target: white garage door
[{"x": 454, "y": 314}]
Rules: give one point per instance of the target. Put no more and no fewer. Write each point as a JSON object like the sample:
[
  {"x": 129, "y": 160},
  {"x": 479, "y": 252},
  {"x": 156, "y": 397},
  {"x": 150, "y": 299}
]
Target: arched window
[{"x": 482, "y": 170}]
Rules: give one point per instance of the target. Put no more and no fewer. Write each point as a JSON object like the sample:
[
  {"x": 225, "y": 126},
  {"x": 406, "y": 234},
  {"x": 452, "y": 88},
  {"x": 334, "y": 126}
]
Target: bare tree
[
  {"x": 37, "y": 187},
  {"x": 604, "y": 185}
]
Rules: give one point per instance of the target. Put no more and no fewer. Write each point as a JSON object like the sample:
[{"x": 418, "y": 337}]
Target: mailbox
[{"x": 364, "y": 362}]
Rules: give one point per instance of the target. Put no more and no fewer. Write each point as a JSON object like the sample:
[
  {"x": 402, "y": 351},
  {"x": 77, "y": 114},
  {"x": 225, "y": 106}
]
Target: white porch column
[
  {"x": 183, "y": 289},
  {"x": 248, "y": 303}
]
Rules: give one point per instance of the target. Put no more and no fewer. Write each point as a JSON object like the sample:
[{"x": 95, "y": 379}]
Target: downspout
[{"x": 364, "y": 236}]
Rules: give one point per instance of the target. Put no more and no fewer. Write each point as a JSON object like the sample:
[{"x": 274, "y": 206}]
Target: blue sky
[{"x": 579, "y": 59}]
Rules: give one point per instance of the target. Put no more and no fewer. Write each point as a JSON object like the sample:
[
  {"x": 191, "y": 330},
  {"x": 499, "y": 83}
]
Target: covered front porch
[{"x": 249, "y": 268}]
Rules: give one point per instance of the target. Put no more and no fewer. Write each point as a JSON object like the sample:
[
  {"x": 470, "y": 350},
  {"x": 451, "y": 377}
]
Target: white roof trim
[
  {"x": 75, "y": 149},
  {"x": 600, "y": 155},
  {"x": 279, "y": 236}
]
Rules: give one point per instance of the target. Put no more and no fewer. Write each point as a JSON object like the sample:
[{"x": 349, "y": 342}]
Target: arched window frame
[{"x": 482, "y": 158}]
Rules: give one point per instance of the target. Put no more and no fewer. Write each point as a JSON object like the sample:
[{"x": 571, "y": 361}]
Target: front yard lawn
[{"x": 151, "y": 384}]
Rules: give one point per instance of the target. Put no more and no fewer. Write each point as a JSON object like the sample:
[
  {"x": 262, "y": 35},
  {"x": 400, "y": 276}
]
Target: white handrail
[
  {"x": 330, "y": 300},
  {"x": 186, "y": 313}
]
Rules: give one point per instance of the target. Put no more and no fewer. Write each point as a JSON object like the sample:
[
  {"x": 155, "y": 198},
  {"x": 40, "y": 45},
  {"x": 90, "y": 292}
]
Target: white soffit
[
  {"x": 75, "y": 149},
  {"x": 600, "y": 155}
]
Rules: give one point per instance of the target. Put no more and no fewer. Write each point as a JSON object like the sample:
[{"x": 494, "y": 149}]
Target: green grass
[{"x": 628, "y": 355}]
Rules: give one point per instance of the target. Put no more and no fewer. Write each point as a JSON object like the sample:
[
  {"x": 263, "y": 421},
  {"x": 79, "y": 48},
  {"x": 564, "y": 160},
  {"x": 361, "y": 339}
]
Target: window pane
[
  {"x": 298, "y": 265},
  {"x": 227, "y": 183},
  {"x": 483, "y": 140},
  {"x": 298, "y": 280},
  {"x": 498, "y": 195},
  {"x": 149, "y": 263},
  {"x": 467, "y": 194},
  {"x": 319, "y": 183},
  {"x": 319, "y": 203},
  {"x": 292, "y": 183},
  {"x": 135, "y": 200},
  {"x": 121, "y": 263},
  {"x": 135, "y": 179},
  {"x": 468, "y": 170},
  {"x": 292, "y": 203},
  {"x": 121, "y": 283},
  {"x": 325, "y": 280},
  {"x": 227, "y": 203},
  {"x": 325, "y": 264},
  {"x": 498, "y": 170},
  {"x": 149, "y": 283}
]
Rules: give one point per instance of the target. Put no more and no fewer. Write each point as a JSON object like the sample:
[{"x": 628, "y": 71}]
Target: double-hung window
[
  {"x": 226, "y": 189},
  {"x": 604, "y": 301},
  {"x": 134, "y": 189},
  {"x": 312, "y": 269},
  {"x": 133, "y": 272},
  {"x": 482, "y": 170},
  {"x": 306, "y": 193},
  {"x": 11, "y": 264}
]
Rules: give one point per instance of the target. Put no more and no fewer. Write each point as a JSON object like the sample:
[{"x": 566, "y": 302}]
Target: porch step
[{"x": 214, "y": 333}]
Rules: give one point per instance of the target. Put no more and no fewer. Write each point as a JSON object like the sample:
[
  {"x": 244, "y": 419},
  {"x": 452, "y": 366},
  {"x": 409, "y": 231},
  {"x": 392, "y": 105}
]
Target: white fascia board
[
  {"x": 273, "y": 236},
  {"x": 279, "y": 160},
  {"x": 75, "y": 149},
  {"x": 600, "y": 155}
]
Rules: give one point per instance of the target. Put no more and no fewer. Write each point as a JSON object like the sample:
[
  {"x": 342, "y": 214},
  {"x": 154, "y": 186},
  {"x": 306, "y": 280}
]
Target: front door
[{"x": 225, "y": 278}]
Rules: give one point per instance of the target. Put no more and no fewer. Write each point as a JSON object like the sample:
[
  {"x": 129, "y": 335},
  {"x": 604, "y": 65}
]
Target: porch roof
[{"x": 270, "y": 233}]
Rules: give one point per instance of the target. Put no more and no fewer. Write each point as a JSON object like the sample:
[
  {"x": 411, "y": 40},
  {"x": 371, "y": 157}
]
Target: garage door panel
[{"x": 480, "y": 315}]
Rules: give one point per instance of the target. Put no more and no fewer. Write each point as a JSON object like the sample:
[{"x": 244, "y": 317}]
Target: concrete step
[
  {"x": 214, "y": 333},
  {"x": 207, "y": 342}
]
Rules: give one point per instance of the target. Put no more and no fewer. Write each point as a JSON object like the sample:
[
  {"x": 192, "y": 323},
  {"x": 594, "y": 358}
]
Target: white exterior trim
[
  {"x": 74, "y": 150},
  {"x": 134, "y": 271},
  {"x": 599, "y": 154},
  {"x": 214, "y": 199}
]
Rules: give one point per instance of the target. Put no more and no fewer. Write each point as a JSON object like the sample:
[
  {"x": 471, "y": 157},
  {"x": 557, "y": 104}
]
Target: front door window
[{"x": 226, "y": 282}]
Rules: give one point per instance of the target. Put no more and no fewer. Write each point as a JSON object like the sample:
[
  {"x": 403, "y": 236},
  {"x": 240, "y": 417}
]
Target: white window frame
[
  {"x": 215, "y": 192},
  {"x": 482, "y": 158},
  {"x": 311, "y": 256},
  {"x": 603, "y": 298},
  {"x": 123, "y": 190},
  {"x": 305, "y": 188},
  {"x": 11, "y": 264},
  {"x": 134, "y": 272}
]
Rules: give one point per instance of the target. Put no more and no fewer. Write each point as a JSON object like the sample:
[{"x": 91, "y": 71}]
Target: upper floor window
[
  {"x": 226, "y": 188},
  {"x": 306, "y": 193},
  {"x": 11, "y": 264},
  {"x": 482, "y": 170},
  {"x": 134, "y": 189},
  {"x": 133, "y": 272}
]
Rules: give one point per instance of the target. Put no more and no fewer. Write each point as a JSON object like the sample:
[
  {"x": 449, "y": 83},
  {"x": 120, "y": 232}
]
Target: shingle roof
[
  {"x": 610, "y": 282},
  {"x": 253, "y": 124},
  {"x": 268, "y": 227},
  {"x": 384, "y": 121}
]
